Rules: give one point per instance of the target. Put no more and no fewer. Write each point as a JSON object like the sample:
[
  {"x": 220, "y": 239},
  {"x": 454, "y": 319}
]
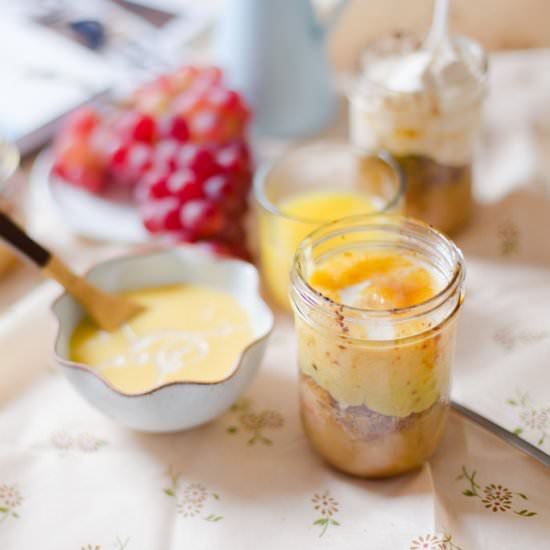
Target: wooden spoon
[{"x": 108, "y": 310}]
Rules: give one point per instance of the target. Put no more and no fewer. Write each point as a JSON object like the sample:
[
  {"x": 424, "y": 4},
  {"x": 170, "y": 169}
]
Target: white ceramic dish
[
  {"x": 178, "y": 405},
  {"x": 97, "y": 217}
]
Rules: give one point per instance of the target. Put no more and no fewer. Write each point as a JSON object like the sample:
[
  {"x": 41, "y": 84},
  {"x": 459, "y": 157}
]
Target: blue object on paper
[{"x": 90, "y": 32}]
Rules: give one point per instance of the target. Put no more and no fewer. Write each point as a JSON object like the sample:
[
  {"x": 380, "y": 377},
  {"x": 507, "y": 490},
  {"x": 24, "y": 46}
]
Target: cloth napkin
[{"x": 71, "y": 479}]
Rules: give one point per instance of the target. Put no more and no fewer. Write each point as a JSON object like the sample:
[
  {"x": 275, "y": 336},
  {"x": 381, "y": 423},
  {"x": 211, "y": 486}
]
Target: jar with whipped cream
[
  {"x": 375, "y": 303},
  {"x": 424, "y": 107}
]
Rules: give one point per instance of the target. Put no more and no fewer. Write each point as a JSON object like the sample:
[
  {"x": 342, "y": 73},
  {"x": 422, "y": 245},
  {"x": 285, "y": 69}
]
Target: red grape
[
  {"x": 202, "y": 216},
  {"x": 174, "y": 127},
  {"x": 157, "y": 215},
  {"x": 82, "y": 121},
  {"x": 184, "y": 185}
]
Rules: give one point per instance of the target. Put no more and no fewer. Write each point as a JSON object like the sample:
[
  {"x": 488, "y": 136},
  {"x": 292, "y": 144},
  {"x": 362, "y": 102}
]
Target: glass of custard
[
  {"x": 313, "y": 184},
  {"x": 376, "y": 301}
]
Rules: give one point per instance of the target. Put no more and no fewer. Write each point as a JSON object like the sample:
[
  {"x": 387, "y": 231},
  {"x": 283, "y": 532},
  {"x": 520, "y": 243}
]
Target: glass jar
[
  {"x": 428, "y": 121},
  {"x": 10, "y": 198},
  {"x": 310, "y": 185},
  {"x": 374, "y": 384}
]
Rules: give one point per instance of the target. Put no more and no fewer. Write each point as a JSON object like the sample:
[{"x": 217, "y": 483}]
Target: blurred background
[
  {"x": 498, "y": 25},
  {"x": 56, "y": 55}
]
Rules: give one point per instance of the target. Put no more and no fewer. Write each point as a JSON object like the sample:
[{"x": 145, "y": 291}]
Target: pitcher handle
[{"x": 333, "y": 17}]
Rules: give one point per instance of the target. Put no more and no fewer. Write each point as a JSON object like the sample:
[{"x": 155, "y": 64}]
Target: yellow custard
[
  {"x": 394, "y": 380},
  {"x": 187, "y": 333},
  {"x": 374, "y": 280},
  {"x": 281, "y": 236},
  {"x": 324, "y": 206}
]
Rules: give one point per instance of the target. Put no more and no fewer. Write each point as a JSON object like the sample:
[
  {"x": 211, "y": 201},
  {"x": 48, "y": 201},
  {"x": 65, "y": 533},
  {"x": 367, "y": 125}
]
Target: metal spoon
[{"x": 509, "y": 437}]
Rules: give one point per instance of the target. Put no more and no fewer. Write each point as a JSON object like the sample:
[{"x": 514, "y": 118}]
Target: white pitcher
[{"x": 273, "y": 52}]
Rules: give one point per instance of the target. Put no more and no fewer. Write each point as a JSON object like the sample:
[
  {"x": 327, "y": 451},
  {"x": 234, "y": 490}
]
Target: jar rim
[
  {"x": 401, "y": 226},
  {"x": 262, "y": 175}
]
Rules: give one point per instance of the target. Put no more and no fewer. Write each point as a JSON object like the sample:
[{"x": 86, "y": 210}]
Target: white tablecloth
[{"x": 71, "y": 479}]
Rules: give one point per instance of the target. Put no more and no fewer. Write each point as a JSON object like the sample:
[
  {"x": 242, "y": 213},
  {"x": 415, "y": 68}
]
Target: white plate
[{"x": 103, "y": 218}]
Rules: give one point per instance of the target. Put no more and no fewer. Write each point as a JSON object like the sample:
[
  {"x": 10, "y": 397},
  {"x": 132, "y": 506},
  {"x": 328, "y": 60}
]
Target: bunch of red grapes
[{"x": 179, "y": 147}]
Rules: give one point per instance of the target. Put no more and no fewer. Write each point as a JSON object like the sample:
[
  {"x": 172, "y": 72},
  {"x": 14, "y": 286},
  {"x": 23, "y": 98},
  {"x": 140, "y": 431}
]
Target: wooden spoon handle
[
  {"x": 21, "y": 242},
  {"x": 109, "y": 310},
  {"x": 36, "y": 253}
]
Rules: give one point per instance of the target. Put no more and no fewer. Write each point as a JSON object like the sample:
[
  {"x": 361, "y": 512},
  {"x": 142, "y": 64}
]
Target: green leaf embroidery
[
  {"x": 15, "y": 514},
  {"x": 474, "y": 486},
  {"x": 518, "y": 431},
  {"x": 525, "y": 513},
  {"x": 232, "y": 429},
  {"x": 334, "y": 522},
  {"x": 512, "y": 402},
  {"x": 320, "y": 521},
  {"x": 169, "y": 492},
  {"x": 4, "y": 510},
  {"x": 521, "y": 495},
  {"x": 216, "y": 496},
  {"x": 213, "y": 518}
]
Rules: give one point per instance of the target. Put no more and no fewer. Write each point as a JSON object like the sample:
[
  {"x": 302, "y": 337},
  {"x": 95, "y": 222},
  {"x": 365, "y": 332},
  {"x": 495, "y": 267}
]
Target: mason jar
[
  {"x": 374, "y": 383},
  {"x": 428, "y": 118}
]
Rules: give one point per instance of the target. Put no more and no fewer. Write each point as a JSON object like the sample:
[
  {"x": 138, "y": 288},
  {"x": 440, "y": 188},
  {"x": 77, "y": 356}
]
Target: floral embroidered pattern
[
  {"x": 496, "y": 498},
  {"x": 508, "y": 234},
  {"x": 532, "y": 420},
  {"x": 327, "y": 506},
  {"x": 191, "y": 498},
  {"x": 83, "y": 442},
  {"x": 255, "y": 422},
  {"x": 10, "y": 499},
  {"x": 118, "y": 544},
  {"x": 432, "y": 541},
  {"x": 509, "y": 339}
]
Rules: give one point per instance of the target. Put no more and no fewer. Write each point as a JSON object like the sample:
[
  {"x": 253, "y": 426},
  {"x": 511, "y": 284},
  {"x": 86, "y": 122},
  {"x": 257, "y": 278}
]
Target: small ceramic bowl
[{"x": 177, "y": 405}]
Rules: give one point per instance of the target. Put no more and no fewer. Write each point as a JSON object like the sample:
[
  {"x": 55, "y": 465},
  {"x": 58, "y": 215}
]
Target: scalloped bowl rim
[{"x": 179, "y": 252}]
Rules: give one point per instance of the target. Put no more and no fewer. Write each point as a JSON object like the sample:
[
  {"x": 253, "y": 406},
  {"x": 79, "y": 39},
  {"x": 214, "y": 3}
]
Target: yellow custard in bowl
[{"x": 188, "y": 333}]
